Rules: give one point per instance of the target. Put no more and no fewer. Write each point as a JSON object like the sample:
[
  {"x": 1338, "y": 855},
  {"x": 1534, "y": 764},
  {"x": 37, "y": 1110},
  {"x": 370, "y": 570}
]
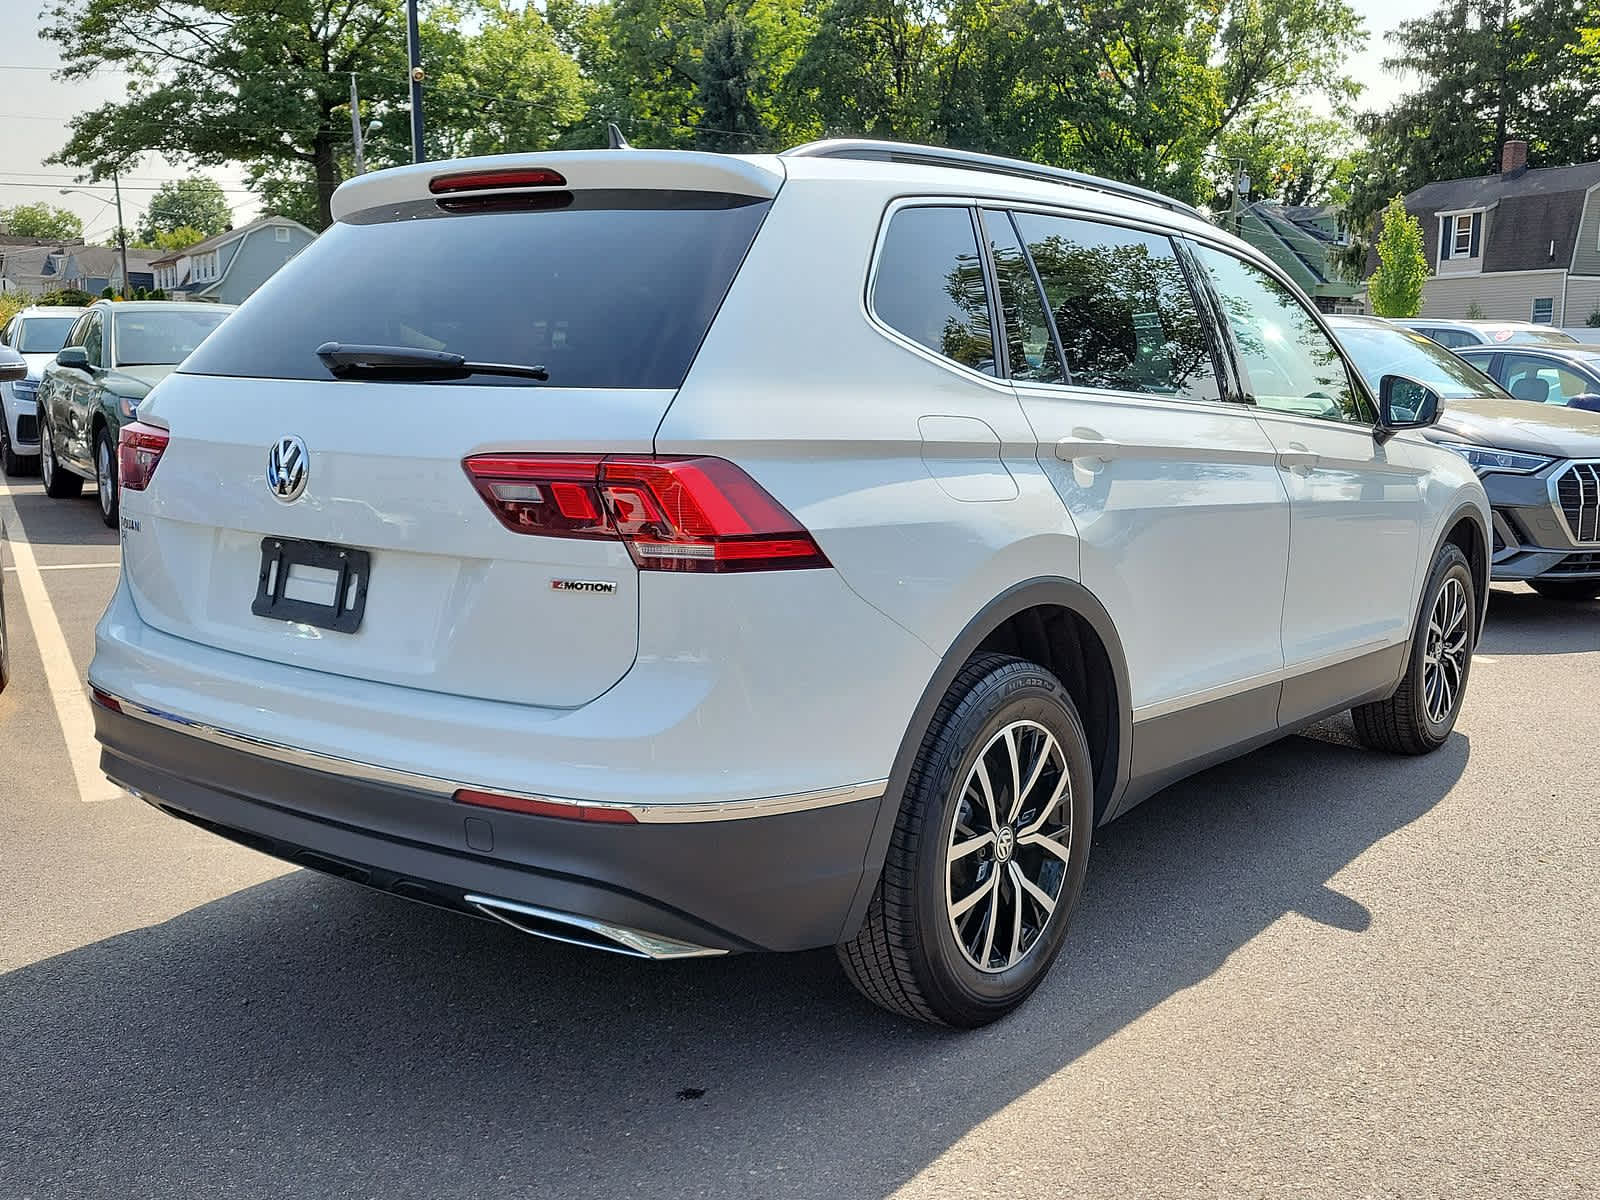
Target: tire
[
  {"x": 1568, "y": 591},
  {"x": 1418, "y": 718},
  {"x": 59, "y": 484},
  {"x": 105, "y": 467},
  {"x": 909, "y": 956},
  {"x": 12, "y": 463}
]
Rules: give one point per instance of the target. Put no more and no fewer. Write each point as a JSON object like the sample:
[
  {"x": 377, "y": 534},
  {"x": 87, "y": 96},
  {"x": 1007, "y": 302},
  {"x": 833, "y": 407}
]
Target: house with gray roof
[
  {"x": 37, "y": 269},
  {"x": 1523, "y": 245},
  {"x": 230, "y": 265}
]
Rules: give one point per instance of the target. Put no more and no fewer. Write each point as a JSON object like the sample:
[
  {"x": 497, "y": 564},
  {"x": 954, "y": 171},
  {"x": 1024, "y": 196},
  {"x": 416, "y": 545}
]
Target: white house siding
[
  {"x": 1583, "y": 298},
  {"x": 1502, "y": 296}
]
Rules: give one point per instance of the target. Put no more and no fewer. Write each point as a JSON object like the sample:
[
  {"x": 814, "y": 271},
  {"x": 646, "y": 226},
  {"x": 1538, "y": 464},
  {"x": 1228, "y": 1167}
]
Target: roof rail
[{"x": 969, "y": 160}]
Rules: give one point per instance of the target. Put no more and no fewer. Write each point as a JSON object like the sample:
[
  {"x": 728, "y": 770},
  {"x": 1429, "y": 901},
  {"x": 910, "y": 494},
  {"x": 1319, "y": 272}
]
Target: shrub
[
  {"x": 107, "y": 294},
  {"x": 72, "y": 297},
  {"x": 1594, "y": 319},
  {"x": 1475, "y": 312}
]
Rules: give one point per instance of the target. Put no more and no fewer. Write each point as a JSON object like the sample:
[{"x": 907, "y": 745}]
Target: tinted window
[
  {"x": 602, "y": 288},
  {"x": 1452, "y": 337},
  {"x": 76, "y": 334},
  {"x": 1030, "y": 349},
  {"x": 150, "y": 336},
  {"x": 93, "y": 341},
  {"x": 44, "y": 335},
  {"x": 1379, "y": 350},
  {"x": 1531, "y": 378},
  {"x": 930, "y": 287},
  {"x": 1290, "y": 364},
  {"x": 1122, "y": 307}
]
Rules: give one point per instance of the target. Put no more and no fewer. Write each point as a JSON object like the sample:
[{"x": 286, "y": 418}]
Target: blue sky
[{"x": 34, "y": 109}]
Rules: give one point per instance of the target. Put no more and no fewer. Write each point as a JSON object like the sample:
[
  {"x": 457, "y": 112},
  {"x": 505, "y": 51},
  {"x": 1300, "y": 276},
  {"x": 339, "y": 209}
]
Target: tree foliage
[
  {"x": 1292, "y": 155},
  {"x": 1395, "y": 289},
  {"x": 195, "y": 203},
  {"x": 1150, "y": 91},
  {"x": 1487, "y": 70},
  {"x": 41, "y": 220}
]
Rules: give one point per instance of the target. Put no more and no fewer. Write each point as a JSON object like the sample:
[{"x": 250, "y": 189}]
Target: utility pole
[
  {"x": 122, "y": 232},
  {"x": 414, "y": 45},
  {"x": 355, "y": 127}
]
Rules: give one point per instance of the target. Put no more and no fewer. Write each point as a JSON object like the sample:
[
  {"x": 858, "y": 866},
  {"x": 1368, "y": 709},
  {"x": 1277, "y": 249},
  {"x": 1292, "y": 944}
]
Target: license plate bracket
[{"x": 280, "y": 555}]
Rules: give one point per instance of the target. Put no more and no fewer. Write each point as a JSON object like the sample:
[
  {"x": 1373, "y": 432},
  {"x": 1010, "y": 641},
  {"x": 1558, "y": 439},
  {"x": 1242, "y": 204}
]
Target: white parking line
[{"x": 68, "y": 691}]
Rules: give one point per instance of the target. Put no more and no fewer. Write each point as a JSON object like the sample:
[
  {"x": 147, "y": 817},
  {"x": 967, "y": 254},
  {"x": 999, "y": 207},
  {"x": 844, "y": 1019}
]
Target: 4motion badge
[{"x": 601, "y": 587}]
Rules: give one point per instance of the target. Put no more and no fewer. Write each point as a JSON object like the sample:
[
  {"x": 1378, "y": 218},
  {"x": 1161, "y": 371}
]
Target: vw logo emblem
[{"x": 288, "y": 467}]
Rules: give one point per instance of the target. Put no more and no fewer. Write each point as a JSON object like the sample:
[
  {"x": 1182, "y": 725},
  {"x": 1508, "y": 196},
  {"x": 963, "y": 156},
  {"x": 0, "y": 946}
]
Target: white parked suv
[{"x": 680, "y": 554}]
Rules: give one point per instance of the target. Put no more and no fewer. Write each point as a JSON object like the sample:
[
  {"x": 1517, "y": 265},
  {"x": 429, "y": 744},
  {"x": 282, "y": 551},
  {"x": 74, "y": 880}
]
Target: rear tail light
[
  {"x": 673, "y": 514},
  {"x": 545, "y": 808},
  {"x": 139, "y": 451},
  {"x": 498, "y": 177}
]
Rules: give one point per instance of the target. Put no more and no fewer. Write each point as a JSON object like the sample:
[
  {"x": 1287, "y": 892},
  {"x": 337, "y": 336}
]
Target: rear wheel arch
[{"x": 1062, "y": 626}]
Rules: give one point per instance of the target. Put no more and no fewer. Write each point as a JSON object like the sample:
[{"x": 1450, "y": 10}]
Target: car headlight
[
  {"x": 25, "y": 389},
  {"x": 128, "y": 408},
  {"x": 1485, "y": 459}
]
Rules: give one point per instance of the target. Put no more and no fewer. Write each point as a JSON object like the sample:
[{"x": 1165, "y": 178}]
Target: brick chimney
[{"x": 1513, "y": 157}]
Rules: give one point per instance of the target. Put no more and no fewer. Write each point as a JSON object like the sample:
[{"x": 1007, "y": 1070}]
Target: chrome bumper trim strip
[{"x": 645, "y": 814}]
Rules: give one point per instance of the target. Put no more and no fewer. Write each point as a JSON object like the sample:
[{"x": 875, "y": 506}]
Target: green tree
[
  {"x": 1487, "y": 70},
  {"x": 1395, "y": 289},
  {"x": 180, "y": 238},
  {"x": 263, "y": 82},
  {"x": 195, "y": 203},
  {"x": 41, "y": 220},
  {"x": 728, "y": 118},
  {"x": 1291, "y": 155}
]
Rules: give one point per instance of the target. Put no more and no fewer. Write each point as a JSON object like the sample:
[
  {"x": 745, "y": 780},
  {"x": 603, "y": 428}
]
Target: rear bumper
[{"x": 779, "y": 882}]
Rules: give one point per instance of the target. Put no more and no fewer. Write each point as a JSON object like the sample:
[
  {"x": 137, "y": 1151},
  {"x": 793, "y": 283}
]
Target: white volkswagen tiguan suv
[{"x": 680, "y": 553}]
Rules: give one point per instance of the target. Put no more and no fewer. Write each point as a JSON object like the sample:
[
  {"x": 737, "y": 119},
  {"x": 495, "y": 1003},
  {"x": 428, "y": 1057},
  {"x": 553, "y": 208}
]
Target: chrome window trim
[{"x": 645, "y": 814}]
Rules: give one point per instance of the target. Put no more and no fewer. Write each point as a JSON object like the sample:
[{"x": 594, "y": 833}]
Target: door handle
[
  {"x": 1086, "y": 448},
  {"x": 1297, "y": 459}
]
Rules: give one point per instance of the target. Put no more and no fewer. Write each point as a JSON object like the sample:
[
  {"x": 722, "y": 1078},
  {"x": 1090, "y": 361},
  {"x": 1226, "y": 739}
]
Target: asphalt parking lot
[{"x": 1312, "y": 971}]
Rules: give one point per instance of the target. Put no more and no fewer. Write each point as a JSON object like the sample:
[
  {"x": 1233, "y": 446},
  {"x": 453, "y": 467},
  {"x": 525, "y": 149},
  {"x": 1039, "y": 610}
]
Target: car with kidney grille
[
  {"x": 1540, "y": 464},
  {"x": 729, "y": 553},
  {"x": 114, "y": 354}
]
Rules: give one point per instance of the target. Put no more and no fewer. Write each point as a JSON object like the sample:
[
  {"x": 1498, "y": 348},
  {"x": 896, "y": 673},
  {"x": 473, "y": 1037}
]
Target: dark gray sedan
[{"x": 1540, "y": 464}]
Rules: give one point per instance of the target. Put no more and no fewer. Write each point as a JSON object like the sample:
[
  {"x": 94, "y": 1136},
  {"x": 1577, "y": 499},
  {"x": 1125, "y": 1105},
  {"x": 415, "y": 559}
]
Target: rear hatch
[{"x": 604, "y": 269}]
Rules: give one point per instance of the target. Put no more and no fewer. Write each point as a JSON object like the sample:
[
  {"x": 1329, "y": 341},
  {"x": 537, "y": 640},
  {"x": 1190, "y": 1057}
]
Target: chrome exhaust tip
[{"x": 574, "y": 930}]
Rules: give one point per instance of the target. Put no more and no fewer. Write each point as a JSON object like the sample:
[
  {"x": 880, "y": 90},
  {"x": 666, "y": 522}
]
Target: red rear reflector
[
  {"x": 673, "y": 514},
  {"x": 545, "y": 808},
  {"x": 105, "y": 700},
  {"x": 504, "y": 177},
  {"x": 139, "y": 451}
]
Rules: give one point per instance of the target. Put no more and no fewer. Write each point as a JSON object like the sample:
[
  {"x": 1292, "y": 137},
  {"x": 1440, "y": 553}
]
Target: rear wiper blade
[{"x": 412, "y": 362}]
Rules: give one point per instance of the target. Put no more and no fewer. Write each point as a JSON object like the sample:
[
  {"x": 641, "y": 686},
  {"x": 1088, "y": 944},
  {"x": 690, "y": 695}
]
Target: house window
[
  {"x": 1463, "y": 237},
  {"x": 281, "y": 232},
  {"x": 1544, "y": 310}
]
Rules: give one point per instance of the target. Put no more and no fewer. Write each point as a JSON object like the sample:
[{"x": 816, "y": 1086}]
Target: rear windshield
[
  {"x": 1534, "y": 337},
  {"x": 604, "y": 289},
  {"x": 44, "y": 335},
  {"x": 148, "y": 337}
]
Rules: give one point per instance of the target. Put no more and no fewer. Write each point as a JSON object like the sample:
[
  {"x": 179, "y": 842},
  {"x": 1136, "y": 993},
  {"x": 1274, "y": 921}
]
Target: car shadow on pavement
[
  {"x": 48, "y": 522},
  {"x": 306, "y": 1037},
  {"x": 1524, "y": 622}
]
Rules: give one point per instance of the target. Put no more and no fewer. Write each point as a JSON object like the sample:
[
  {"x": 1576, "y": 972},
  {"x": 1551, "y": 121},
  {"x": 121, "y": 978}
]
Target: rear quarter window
[
  {"x": 604, "y": 289},
  {"x": 929, "y": 285}
]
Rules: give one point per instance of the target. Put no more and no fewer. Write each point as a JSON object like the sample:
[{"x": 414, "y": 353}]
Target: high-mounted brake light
[
  {"x": 545, "y": 808},
  {"x": 503, "y": 177},
  {"x": 673, "y": 514},
  {"x": 139, "y": 451}
]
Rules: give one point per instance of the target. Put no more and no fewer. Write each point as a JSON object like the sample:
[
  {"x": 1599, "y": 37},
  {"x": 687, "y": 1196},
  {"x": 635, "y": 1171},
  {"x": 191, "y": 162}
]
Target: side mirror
[
  {"x": 1588, "y": 402},
  {"x": 12, "y": 365},
  {"x": 73, "y": 356},
  {"x": 1405, "y": 404}
]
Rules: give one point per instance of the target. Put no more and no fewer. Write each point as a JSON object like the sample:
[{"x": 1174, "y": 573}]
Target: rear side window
[
  {"x": 929, "y": 285},
  {"x": 1122, "y": 307},
  {"x": 1030, "y": 349},
  {"x": 604, "y": 289}
]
